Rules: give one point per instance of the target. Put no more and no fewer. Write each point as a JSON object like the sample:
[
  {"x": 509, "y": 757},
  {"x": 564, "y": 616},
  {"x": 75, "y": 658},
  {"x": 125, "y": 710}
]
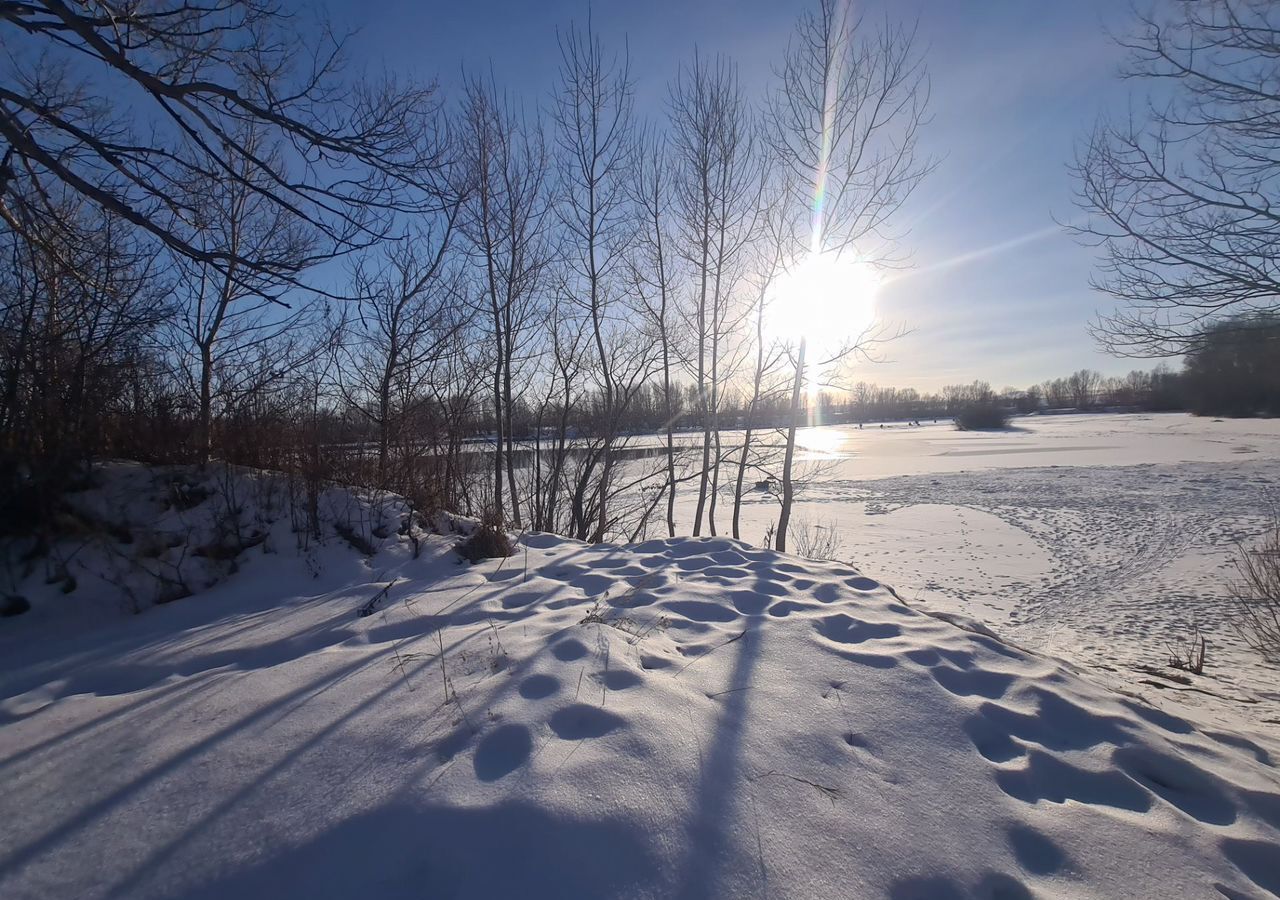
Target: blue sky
[{"x": 997, "y": 291}]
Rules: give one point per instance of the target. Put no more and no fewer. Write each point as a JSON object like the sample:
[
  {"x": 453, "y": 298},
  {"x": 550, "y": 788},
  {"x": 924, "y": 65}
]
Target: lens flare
[{"x": 826, "y": 299}]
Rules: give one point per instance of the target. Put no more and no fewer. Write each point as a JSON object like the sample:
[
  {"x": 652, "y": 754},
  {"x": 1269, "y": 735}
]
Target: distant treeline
[{"x": 1233, "y": 370}]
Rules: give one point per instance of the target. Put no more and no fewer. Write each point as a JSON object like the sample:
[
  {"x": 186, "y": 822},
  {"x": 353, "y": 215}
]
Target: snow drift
[{"x": 679, "y": 718}]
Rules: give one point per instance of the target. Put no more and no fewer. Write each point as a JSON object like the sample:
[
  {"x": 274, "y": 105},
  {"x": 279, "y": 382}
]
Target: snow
[
  {"x": 678, "y": 718},
  {"x": 140, "y": 536},
  {"x": 958, "y": 716},
  {"x": 1101, "y": 539},
  {"x": 1083, "y": 440}
]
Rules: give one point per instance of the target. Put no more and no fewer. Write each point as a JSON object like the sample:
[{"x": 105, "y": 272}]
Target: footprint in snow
[
  {"x": 618, "y": 679},
  {"x": 580, "y": 721},
  {"x": 650, "y": 661},
  {"x": 701, "y": 610},
  {"x": 502, "y": 751},
  {"x": 847, "y": 630},
  {"x": 535, "y": 687},
  {"x": 569, "y": 649},
  {"x": 991, "y": 685}
]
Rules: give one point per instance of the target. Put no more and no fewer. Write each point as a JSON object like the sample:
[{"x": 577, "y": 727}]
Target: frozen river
[{"x": 1098, "y": 538}]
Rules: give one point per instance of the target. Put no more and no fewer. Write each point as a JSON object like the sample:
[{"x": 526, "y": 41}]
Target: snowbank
[
  {"x": 680, "y": 718},
  {"x": 139, "y": 536}
]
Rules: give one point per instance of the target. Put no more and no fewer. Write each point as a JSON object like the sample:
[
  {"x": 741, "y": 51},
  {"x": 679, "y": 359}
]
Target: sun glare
[
  {"x": 825, "y": 298},
  {"x": 820, "y": 442}
]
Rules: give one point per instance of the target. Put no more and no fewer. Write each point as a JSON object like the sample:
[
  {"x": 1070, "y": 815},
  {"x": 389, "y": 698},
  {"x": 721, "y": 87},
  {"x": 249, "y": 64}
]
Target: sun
[{"x": 827, "y": 299}]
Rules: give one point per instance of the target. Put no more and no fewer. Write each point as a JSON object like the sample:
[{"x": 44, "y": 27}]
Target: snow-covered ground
[
  {"x": 682, "y": 718},
  {"x": 1102, "y": 539},
  {"x": 678, "y": 718}
]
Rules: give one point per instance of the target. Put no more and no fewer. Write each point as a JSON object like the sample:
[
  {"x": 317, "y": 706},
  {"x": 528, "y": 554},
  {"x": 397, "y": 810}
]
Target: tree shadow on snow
[
  {"x": 402, "y": 851},
  {"x": 711, "y": 851}
]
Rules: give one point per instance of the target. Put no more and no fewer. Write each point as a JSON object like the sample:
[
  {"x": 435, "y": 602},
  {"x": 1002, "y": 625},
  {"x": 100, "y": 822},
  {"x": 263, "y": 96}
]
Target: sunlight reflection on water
[{"x": 821, "y": 441}]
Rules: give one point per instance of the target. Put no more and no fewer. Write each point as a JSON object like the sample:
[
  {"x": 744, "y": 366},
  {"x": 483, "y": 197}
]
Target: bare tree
[
  {"x": 124, "y": 104},
  {"x": 1084, "y": 386},
  {"x": 772, "y": 246},
  {"x": 1256, "y": 590},
  {"x": 843, "y": 123},
  {"x": 654, "y": 270},
  {"x": 594, "y": 134},
  {"x": 1182, "y": 196},
  {"x": 79, "y": 306},
  {"x": 563, "y": 394},
  {"x": 717, "y": 199},
  {"x": 505, "y": 221},
  {"x": 411, "y": 311},
  {"x": 739, "y": 186},
  {"x": 451, "y": 470},
  {"x": 227, "y": 312}
]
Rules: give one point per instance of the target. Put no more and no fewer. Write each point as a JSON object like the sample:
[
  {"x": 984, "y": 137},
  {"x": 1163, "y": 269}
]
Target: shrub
[
  {"x": 1188, "y": 653},
  {"x": 1257, "y": 594},
  {"x": 489, "y": 541},
  {"x": 1234, "y": 370},
  {"x": 977, "y": 416},
  {"x": 358, "y": 541},
  {"x": 815, "y": 540}
]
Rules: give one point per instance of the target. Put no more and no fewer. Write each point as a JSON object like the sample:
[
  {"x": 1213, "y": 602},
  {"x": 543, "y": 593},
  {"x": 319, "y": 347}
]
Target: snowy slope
[
  {"x": 683, "y": 718},
  {"x": 137, "y": 536}
]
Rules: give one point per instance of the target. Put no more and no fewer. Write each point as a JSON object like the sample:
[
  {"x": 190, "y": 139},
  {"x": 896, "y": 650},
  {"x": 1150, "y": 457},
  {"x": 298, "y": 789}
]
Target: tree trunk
[
  {"x": 206, "y": 404},
  {"x": 702, "y": 380},
  {"x": 715, "y": 410},
  {"x": 788, "y": 492},
  {"x": 497, "y": 444},
  {"x": 506, "y": 389},
  {"x": 751, "y": 413},
  {"x": 671, "y": 452}
]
